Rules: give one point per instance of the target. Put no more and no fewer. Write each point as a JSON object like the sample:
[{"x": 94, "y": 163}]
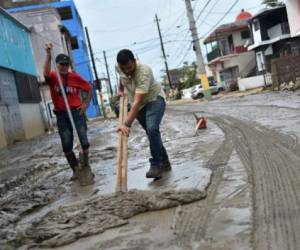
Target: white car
[{"x": 198, "y": 91}]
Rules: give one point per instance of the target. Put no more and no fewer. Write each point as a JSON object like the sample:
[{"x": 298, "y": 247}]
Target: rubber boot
[
  {"x": 72, "y": 160},
  {"x": 85, "y": 174},
  {"x": 84, "y": 159},
  {"x": 154, "y": 172},
  {"x": 166, "y": 165}
]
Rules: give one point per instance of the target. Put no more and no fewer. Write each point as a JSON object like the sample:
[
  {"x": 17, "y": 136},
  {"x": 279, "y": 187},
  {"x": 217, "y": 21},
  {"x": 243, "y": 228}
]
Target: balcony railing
[
  {"x": 213, "y": 54},
  {"x": 218, "y": 53}
]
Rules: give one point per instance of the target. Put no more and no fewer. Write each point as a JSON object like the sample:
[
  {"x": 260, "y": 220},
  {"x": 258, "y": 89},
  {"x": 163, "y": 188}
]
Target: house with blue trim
[
  {"x": 72, "y": 21},
  {"x": 20, "y": 115}
]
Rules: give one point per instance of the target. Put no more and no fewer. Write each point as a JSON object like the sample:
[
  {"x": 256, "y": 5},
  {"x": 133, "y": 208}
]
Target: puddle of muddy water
[
  {"x": 230, "y": 225},
  {"x": 189, "y": 173}
]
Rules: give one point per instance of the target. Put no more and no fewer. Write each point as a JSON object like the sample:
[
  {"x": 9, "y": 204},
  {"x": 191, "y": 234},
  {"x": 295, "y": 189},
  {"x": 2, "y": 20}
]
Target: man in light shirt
[{"x": 147, "y": 106}]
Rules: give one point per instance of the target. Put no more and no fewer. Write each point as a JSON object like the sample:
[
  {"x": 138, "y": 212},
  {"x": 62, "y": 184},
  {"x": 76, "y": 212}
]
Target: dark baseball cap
[{"x": 62, "y": 58}]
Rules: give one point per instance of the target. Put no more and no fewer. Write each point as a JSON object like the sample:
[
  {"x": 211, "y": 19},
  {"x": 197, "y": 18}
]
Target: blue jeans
[
  {"x": 150, "y": 117},
  {"x": 66, "y": 131}
]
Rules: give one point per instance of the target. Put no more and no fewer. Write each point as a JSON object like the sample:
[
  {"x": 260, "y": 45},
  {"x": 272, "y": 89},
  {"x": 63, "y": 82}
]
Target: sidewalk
[{"x": 220, "y": 96}]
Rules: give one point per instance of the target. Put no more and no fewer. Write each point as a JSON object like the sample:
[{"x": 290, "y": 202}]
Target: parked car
[{"x": 198, "y": 91}]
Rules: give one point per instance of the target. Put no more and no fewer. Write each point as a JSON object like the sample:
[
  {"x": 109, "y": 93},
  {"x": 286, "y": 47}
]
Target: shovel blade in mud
[{"x": 85, "y": 175}]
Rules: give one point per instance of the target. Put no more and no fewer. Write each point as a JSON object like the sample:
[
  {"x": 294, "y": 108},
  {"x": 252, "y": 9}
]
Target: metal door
[{"x": 9, "y": 108}]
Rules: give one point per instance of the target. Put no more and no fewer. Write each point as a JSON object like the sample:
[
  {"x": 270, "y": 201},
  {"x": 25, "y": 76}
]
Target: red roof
[
  {"x": 244, "y": 15},
  {"x": 240, "y": 23}
]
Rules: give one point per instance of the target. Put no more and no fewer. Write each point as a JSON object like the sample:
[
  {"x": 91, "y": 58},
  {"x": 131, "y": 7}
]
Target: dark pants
[
  {"x": 150, "y": 117},
  {"x": 66, "y": 131}
]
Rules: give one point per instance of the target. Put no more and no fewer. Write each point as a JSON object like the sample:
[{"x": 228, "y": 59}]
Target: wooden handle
[
  {"x": 124, "y": 150},
  {"x": 122, "y": 156}
]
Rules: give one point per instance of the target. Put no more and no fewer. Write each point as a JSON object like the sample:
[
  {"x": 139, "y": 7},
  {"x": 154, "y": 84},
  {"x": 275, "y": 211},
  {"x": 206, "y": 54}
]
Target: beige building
[{"x": 227, "y": 53}]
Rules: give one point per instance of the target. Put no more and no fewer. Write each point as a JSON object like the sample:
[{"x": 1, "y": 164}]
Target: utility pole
[
  {"x": 197, "y": 49},
  {"x": 98, "y": 83},
  {"x": 163, "y": 51},
  {"x": 107, "y": 72}
]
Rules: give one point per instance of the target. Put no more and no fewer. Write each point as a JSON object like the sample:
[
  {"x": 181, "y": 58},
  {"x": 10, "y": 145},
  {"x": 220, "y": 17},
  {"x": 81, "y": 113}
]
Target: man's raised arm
[{"x": 47, "y": 65}]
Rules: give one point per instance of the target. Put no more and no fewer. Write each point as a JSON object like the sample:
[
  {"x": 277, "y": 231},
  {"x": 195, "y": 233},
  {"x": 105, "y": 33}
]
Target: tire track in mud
[
  {"x": 272, "y": 162},
  {"x": 191, "y": 225}
]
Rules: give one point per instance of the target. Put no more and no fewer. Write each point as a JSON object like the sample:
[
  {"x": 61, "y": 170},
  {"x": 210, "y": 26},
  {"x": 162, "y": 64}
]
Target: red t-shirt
[{"x": 73, "y": 83}]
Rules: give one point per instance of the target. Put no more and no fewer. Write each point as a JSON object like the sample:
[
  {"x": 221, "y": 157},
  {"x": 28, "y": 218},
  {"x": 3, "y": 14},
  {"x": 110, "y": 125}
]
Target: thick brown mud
[
  {"x": 249, "y": 155},
  {"x": 67, "y": 224},
  {"x": 36, "y": 204}
]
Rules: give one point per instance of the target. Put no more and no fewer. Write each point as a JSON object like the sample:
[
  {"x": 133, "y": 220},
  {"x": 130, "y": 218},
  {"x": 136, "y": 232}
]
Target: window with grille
[{"x": 27, "y": 88}]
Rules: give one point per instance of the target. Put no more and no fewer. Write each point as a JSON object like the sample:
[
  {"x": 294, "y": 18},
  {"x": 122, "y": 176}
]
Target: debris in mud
[
  {"x": 291, "y": 86},
  {"x": 67, "y": 224}
]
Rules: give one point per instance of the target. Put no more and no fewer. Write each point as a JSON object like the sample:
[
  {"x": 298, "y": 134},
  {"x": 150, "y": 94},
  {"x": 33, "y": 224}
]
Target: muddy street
[{"x": 234, "y": 185}]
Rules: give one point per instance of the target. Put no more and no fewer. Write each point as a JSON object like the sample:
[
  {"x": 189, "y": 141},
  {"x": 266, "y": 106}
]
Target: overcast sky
[{"x": 117, "y": 24}]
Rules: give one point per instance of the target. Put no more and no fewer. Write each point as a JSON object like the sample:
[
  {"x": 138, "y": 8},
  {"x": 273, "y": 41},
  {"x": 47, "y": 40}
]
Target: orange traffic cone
[{"x": 202, "y": 123}]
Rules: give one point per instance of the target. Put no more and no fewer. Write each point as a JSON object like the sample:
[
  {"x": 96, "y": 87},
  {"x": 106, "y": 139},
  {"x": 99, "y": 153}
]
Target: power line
[
  {"x": 210, "y": 10},
  {"x": 179, "y": 18},
  {"x": 163, "y": 50},
  {"x": 203, "y": 9},
  {"x": 222, "y": 18},
  {"x": 212, "y": 28},
  {"x": 187, "y": 32},
  {"x": 185, "y": 55}
]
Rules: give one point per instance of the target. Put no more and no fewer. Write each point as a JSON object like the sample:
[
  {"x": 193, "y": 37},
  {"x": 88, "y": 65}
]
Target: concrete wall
[
  {"x": 293, "y": 11},
  {"x": 44, "y": 24},
  {"x": 32, "y": 120},
  {"x": 237, "y": 39},
  {"x": 245, "y": 62},
  {"x": 275, "y": 31},
  {"x": 251, "y": 82},
  {"x": 9, "y": 108},
  {"x": 3, "y": 142}
]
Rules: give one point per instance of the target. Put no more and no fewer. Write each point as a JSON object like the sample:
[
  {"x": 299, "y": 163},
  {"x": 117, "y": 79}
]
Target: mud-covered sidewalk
[{"x": 233, "y": 185}]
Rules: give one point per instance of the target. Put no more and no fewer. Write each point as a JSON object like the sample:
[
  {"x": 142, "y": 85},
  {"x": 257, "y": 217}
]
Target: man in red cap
[{"x": 73, "y": 84}]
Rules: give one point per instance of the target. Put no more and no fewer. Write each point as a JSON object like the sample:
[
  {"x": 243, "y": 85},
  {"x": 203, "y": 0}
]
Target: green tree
[{"x": 188, "y": 74}]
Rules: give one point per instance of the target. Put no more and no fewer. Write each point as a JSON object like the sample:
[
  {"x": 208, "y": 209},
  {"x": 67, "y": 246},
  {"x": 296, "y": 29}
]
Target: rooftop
[
  {"x": 267, "y": 11},
  {"x": 241, "y": 22}
]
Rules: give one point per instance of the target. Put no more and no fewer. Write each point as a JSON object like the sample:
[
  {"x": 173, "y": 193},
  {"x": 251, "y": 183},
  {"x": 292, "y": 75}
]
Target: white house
[
  {"x": 272, "y": 36},
  {"x": 228, "y": 56}
]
